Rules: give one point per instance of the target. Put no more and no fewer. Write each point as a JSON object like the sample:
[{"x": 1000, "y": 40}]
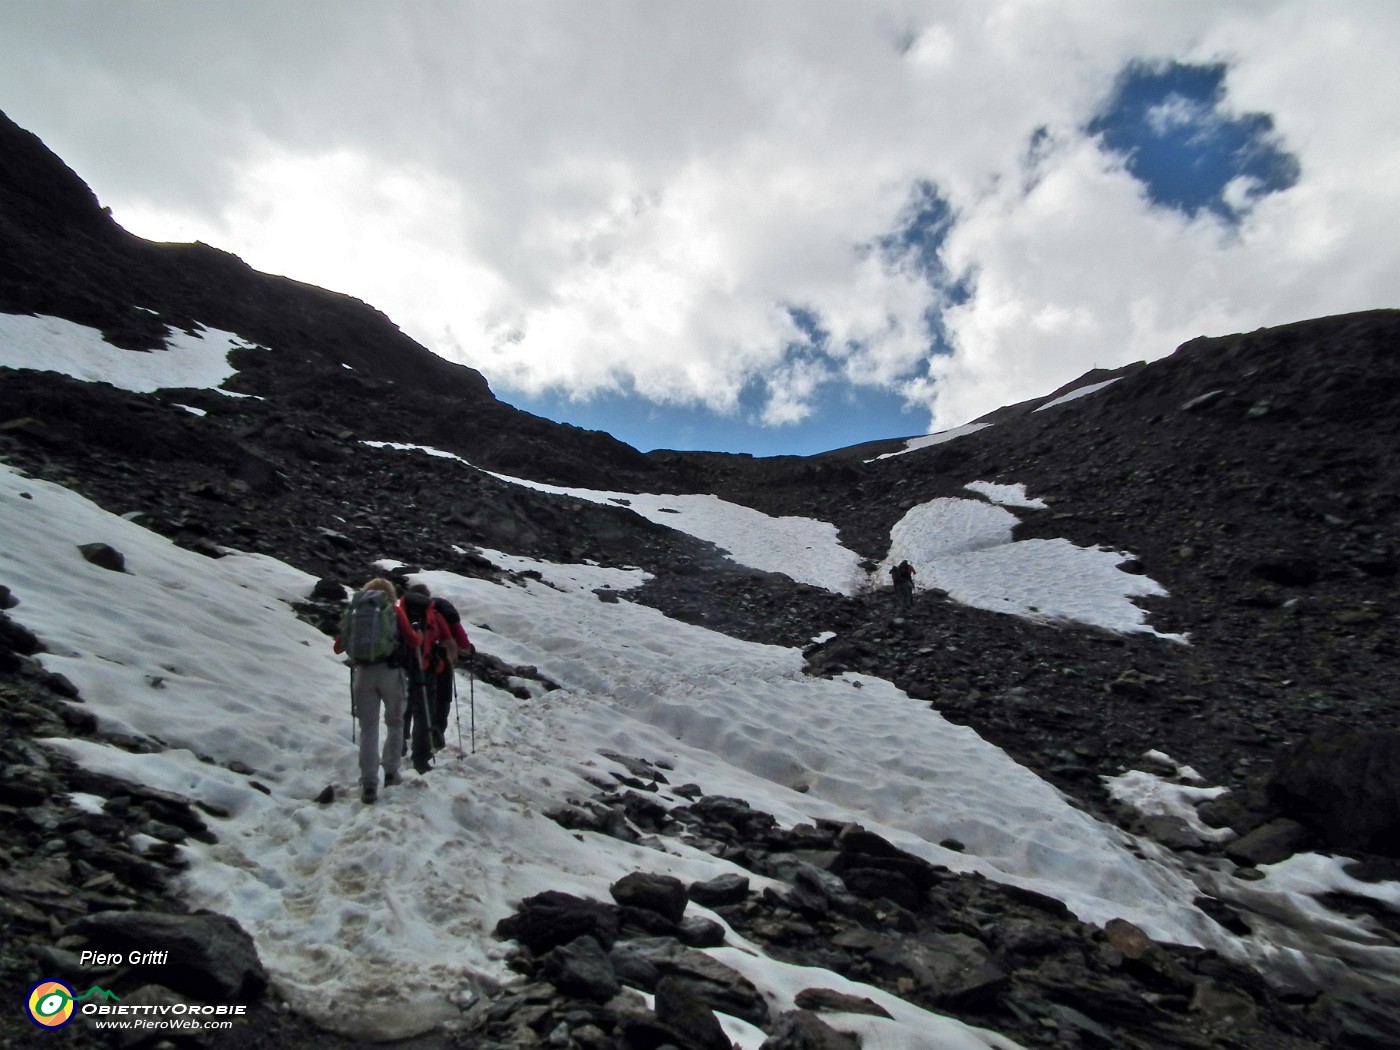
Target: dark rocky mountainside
[{"x": 1255, "y": 476}]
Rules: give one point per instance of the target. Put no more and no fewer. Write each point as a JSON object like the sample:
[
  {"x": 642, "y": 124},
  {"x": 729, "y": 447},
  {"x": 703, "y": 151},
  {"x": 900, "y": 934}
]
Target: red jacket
[{"x": 439, "y": 642}]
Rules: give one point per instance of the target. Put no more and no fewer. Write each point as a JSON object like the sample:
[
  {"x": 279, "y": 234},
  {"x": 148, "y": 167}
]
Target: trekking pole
[
  {"x": 471, "y": 684},
  {"x": 352, "y": 705},
  {"x": 457, "y": 711},
  {"x": 425, "y": 713},
  {"x": 416, "y": 721}
]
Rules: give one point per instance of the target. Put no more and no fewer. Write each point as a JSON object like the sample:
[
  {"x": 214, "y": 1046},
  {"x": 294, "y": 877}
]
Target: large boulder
[
  {"x": 581, "y": 968},
  {"x": 663, "y": 894},
  {"x": 728, "y": 888},
  {"x": 646, "y": 961},
  {"x": 552, "y": 918},
  {"x": 1345, "y": 788},
  {"x": 1269, "y": 843}
]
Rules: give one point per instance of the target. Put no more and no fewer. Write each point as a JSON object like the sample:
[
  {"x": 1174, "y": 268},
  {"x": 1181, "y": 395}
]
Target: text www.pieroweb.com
[{"x": 171, "y": 1017}]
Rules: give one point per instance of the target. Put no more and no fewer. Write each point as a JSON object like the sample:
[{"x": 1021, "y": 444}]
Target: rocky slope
[{"x": 1255, "y": 476}]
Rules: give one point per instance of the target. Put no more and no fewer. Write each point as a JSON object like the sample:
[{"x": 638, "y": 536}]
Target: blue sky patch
[
  {"x": 809, "y": 323},
  {"x": 917, "y": 240},
  {"x": 841, "y": 415},
  {"x": 922, "y": 228},
  {"x": 1171, "y": 125}
]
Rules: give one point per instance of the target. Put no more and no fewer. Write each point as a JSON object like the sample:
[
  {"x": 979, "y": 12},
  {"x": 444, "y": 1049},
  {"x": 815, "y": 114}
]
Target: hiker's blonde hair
[{"x": 379, "y": 583}]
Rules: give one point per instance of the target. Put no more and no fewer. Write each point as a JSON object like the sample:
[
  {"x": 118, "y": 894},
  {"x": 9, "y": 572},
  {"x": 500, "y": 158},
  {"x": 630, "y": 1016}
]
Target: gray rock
[
  {"x": 1363, "y": 1019},
  {"x": 1068, "y": 1017},
  {"x": 719, "y": 891},
  {"x": 802, "y": 1030},
  {"x": 103, "y": 556},
  {"x": 662, "y": 894},
  {"x": 699, "y": 932},
  {"x": 1270, "y": 843},
  {"x": 803, "y": 874},
  {"x": 1143, "y": 957},
  {"x": 1345, "y": 787},
  {"x": 634, "y": 968},
  {"x": 952, "y": 968},
  {"x": 680, "y": 1009},
  {"x": 1171, "y": 831},
  {"x": 23, "y": 793},
  {"x": 550, "y": 919},
  {"x": 581, "y": 968},
  {"x": 327, "y": 590},
  {"x": 877, "y": 884},
  {"x": 1223, "y": 1005},
  {"x": 815, "y": 999},
  {"x": 722, "y": 987}
]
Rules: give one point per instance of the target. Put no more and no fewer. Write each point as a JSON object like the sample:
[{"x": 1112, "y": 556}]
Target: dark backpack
[
  {"x": 448, "y": 610},
  {"x": 369, "y": 628},
  {"x": 445, "y": 648},
  {"x": 439, "y": 650}
]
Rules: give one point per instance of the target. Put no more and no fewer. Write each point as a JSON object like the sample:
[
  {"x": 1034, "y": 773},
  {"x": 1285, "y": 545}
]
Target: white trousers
[{"x": 373, "y": 685}]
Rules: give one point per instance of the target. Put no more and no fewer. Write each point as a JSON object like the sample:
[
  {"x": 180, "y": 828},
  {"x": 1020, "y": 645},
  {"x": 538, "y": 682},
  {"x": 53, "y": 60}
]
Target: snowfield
[
  {"x": 963, "y": 546},
  {"x": 376, "y": 920}
]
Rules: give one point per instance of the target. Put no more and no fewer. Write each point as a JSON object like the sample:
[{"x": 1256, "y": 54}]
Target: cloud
[
  {"x": 1083, "y": 269},
  {"x": 647, "y": 199}
]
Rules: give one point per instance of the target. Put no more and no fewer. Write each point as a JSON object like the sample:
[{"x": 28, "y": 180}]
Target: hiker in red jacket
[
  {"x": 456, "y": 647},
  {"x": 431, "y": 682}
]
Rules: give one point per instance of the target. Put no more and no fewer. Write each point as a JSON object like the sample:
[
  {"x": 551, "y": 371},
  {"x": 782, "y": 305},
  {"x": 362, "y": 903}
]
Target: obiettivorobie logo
[{"x": 51, "y": 1002}]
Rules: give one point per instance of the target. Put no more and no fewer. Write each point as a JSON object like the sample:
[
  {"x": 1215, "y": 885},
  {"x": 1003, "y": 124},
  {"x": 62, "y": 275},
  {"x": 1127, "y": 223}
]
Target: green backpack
[{"x": 369, "y": 628}]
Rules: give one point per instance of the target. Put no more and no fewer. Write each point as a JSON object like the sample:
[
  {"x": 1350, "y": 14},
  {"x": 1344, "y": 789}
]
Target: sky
[
  {"x": 376, "y": 920},
  {"x": 776, "y": 227}
]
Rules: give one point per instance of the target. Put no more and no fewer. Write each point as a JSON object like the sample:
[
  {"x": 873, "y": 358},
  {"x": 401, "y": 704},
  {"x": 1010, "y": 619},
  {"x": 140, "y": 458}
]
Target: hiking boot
[
  {"x": 439, "y": 740},
  {"x": 368, "y": 794},
  {"x": 391, "y": 779}
]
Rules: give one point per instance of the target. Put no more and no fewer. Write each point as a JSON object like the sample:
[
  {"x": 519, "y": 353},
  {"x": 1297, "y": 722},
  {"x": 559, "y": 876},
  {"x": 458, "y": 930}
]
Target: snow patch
[
  {"x": 51, "y": 344},
  {"x": 929, "y": 440},
  {"x": 1076, "y": 394}
]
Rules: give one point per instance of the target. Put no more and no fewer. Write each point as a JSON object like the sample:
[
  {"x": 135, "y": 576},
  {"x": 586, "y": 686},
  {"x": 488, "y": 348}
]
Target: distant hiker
[
  {"x": 902, "y": 576},
  {"x": 373, "y": 633},
  {"x": 431, "y": 674}
]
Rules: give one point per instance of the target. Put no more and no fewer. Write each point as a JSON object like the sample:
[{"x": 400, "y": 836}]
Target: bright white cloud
[{"x": 632, "y": 197}]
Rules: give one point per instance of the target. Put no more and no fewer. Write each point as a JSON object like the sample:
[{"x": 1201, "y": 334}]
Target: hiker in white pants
[
  {"x": 377, "y": 636},
  {"x": 373, "y": 684}
]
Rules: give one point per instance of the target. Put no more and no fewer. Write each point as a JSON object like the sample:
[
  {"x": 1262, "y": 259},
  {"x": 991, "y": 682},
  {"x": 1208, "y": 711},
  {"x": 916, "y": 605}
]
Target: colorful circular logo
[{"x": 51, "y": 1004}]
